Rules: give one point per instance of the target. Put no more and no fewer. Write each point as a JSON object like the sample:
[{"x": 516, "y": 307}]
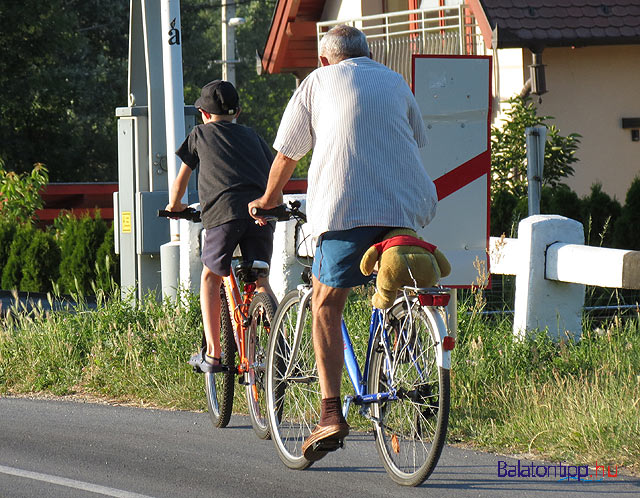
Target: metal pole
[
  {"x": 536, "y": 139},
  {"x": 228, "y": 42},
  {"x": 175, "y": 133},
  {"x": 173, "y": 91}
]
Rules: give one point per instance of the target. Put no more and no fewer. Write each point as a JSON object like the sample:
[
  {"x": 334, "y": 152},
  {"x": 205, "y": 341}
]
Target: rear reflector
[
  {"x": 434, "y": 299},
  {"x": 448, "y": 343}
]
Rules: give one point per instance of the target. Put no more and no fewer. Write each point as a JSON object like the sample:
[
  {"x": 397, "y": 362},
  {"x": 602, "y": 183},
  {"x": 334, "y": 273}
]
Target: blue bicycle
[{"x": 403, "y": 388}]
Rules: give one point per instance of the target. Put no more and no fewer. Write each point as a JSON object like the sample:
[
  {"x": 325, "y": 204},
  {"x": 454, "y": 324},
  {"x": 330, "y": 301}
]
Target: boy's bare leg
[
  {"x": 210, "y": 305},
  {"x": 327, "y": 305},
  {"x": 262, "y": 285}
]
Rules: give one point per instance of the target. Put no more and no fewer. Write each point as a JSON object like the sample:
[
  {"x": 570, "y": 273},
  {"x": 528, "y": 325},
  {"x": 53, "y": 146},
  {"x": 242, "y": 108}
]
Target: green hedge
[
  {"x": 606, "y": 223},
  {"x": 74, "y": 255}
]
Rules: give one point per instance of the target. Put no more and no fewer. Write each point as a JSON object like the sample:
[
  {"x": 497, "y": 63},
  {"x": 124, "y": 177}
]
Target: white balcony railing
[{"x": 395, "y": 36}]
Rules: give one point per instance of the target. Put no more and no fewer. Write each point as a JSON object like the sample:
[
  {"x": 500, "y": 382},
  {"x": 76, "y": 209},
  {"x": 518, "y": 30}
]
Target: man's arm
[
  {"x": 281, "y": 170},
  {"x": 178, "y": 189}
]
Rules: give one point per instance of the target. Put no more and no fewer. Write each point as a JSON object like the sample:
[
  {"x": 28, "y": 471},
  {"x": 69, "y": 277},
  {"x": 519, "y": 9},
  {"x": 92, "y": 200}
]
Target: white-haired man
[{"x": 365, "y": 178}]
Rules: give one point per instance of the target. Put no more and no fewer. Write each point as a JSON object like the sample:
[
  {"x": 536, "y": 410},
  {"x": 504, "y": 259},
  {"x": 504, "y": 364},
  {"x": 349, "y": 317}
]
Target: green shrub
[
  {"x": 12, "y": 271},
  {"x": 80, "y": 241},
  {"x": 20, "y": 193},
  {"x": 7, "y": 231},
  {"x": 627, "y": 227},
  {"x": 599, "y": 215},
  {"x": 561, "y": 200},
  {"x": 505, "y": 214},
  {"x": 41, "y": 263},
  {"x": 509, "y": 153}
]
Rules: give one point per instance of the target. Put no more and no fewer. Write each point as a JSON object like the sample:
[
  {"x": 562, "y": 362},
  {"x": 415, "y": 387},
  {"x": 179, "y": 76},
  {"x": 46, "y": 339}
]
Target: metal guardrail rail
[{"x": 395, "y": 36}]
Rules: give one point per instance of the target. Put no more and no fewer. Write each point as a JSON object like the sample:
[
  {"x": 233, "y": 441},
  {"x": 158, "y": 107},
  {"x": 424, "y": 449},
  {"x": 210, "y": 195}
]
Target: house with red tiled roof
[{"x": 580, "y": 59}]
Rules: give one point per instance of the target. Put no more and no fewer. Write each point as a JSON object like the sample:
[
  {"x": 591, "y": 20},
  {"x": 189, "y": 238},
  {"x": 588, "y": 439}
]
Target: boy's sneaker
[{"x": 202, "y": 363}]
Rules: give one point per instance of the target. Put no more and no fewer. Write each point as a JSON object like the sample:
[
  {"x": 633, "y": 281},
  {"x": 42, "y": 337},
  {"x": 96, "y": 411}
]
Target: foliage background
[{"x": 63, "y": 71}]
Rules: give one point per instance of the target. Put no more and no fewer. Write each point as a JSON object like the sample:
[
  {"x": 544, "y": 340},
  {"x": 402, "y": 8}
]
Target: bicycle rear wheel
[
  {"x": 219, "y": 386},
  {"x": 410, "y": 431},
  {"x": 293, "y": 390},
  {"x": 261, "y": 312}
]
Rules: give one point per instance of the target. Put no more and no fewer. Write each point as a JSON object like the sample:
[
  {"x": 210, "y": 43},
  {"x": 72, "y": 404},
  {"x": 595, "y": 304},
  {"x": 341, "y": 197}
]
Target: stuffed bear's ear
[{"x": 368, "y": 261}]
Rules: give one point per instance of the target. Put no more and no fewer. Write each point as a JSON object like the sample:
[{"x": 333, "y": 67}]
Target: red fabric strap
[{"x": 403, "y": 240}]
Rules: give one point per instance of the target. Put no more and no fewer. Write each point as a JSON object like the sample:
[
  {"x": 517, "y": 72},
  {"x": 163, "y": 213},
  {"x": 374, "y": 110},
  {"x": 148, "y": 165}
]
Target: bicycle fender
[{"x": 443, "y": 357}]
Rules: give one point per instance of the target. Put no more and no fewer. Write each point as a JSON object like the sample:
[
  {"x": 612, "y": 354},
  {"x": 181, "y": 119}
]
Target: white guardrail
[
  {"x": 549, "y": 259},
  {"x": 552, "y": 265}
]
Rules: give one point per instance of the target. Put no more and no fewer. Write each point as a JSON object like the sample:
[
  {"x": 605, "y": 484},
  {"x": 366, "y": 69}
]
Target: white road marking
[{"x": 70, "y": 483}]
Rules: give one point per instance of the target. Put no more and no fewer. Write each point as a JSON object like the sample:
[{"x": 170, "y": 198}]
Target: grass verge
[{"x": 562, "y": 402}]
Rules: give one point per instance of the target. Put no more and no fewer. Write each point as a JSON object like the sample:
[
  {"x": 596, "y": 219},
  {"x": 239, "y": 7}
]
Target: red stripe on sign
[{"x": 463, "y": 175}]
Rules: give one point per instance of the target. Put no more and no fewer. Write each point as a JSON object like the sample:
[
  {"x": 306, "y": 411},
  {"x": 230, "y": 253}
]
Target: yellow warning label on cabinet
[{"x": 126, "y": 222}]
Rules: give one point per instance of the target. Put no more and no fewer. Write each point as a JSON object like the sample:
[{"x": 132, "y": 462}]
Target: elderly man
[{"x": 365, "y": 178}]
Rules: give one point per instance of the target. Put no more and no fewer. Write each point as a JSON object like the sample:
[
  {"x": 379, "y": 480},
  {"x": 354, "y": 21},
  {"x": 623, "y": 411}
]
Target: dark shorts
[
  {"x": 338, "y": 254},
  {"x": 256, "y": 243}
]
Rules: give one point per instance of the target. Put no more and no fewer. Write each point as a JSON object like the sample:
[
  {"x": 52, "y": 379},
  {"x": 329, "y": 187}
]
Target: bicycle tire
[
  {"x": 261, "y": 313},
  {"x": 410, "y": 431},
  {"x": 293, "y": 400},
  {"x": 219, "y": 386}
]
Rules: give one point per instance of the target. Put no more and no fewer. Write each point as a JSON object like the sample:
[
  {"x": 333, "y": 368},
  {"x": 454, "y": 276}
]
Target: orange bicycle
[{"x": 245, "y": 322}]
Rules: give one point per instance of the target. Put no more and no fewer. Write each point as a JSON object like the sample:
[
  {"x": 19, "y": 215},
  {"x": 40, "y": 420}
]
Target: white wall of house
[{"x": 590, "y": 90}]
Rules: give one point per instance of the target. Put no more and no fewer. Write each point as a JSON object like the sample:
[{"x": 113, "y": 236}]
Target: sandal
[{"x": 204, "y": 363}]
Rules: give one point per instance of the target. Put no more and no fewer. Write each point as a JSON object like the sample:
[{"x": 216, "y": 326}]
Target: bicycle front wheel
[
  {"x": 410, "y": 430},
  {"x": 261, "y": 312},
  {"x": 293, "y": 390},
  {"x": 219, "y": 386}
]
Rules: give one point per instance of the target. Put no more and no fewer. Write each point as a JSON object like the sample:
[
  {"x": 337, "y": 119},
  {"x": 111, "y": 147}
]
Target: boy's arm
[
  {"x": 281, "y": 170},
  {"x": 178, "y": 189}
]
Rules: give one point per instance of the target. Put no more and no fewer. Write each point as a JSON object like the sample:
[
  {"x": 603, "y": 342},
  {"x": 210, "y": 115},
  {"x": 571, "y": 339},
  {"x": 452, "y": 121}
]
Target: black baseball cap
[{"x": 218, "y": 97}]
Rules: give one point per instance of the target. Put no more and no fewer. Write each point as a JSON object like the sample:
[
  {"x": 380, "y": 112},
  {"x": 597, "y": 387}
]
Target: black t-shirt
[{"x": 234, "y": 167}]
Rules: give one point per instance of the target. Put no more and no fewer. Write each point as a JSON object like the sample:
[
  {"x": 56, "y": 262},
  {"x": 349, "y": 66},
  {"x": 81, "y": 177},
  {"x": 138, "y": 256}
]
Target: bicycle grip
[
  {"x": 280, "y": 212},
  {"x": 188, "y": 214}
]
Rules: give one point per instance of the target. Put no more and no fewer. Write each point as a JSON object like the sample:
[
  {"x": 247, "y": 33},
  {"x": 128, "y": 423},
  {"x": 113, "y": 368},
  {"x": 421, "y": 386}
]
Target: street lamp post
[{"x": 229, "y": 22}]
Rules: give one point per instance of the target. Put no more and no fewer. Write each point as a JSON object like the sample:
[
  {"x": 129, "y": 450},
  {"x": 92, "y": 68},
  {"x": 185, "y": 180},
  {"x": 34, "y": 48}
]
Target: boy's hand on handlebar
[
  {"x": 176, "y": 208},
  {"x": 260, "y": 204}
]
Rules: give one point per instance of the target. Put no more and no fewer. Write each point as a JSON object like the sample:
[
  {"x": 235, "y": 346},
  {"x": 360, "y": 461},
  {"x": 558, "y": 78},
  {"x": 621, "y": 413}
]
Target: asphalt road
[{"x": 74, "y": 449}]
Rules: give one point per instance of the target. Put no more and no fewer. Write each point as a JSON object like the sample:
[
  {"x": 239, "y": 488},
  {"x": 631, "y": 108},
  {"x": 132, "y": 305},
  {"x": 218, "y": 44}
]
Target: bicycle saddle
[{"x": 250, "y": 271}]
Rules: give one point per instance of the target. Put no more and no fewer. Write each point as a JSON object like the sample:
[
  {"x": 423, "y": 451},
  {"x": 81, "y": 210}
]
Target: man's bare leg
[{"x": 327, "y": 305}]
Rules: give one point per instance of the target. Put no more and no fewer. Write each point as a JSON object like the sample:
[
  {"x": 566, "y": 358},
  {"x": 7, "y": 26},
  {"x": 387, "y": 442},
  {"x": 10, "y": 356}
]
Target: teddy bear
[{"x": 402, "y": 257}]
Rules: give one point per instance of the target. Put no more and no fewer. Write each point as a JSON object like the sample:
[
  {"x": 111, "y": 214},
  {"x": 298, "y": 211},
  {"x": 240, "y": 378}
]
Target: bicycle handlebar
[
  {"x": 188, "y": 214},
  {"x": 281, "y": 212}
]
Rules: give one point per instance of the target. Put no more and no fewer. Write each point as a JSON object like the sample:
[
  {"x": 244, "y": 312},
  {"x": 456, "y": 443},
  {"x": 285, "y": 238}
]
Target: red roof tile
[{"x": 540, "y": 23}]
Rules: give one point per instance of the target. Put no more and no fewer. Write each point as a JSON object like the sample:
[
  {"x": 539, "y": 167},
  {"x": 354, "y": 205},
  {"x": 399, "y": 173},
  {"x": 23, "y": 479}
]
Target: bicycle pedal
[{"x": 328, "y": 445}]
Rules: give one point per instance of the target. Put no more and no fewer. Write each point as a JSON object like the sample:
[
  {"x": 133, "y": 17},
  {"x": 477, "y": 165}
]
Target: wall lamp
[{"x": 634, "y": 125}]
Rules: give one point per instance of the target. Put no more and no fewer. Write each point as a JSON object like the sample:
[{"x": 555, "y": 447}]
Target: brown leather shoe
[{"x": 323, "y": 439}]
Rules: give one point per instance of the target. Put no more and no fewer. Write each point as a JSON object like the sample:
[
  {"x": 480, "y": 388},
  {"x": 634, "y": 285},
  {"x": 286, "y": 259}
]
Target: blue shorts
[
  {"x": 256, "y": 244},
  {"x": 338, "y": 254}
]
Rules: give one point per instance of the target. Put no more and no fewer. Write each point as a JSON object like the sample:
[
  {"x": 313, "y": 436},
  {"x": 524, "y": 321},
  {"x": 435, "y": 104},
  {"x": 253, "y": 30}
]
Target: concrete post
[
  {"x": 285, "y": 268},
  {"x": 540, "y": 303}
]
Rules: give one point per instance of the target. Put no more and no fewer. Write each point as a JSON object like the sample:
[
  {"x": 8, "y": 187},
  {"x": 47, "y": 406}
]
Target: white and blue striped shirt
[{"x": 364, "y": 126}]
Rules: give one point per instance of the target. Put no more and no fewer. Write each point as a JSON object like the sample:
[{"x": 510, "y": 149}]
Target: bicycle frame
[
  {"x": 378, "y": 322},
  {"x": 238, "y": 307}
]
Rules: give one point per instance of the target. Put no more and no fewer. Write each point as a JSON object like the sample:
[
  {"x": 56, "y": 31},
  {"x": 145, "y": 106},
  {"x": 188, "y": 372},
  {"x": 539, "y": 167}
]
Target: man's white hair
[{"x": 343, "y": 42}]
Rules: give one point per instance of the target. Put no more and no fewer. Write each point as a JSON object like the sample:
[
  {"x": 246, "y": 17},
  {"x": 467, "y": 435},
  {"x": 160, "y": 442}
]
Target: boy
[{"x": 234, "y": 166}]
